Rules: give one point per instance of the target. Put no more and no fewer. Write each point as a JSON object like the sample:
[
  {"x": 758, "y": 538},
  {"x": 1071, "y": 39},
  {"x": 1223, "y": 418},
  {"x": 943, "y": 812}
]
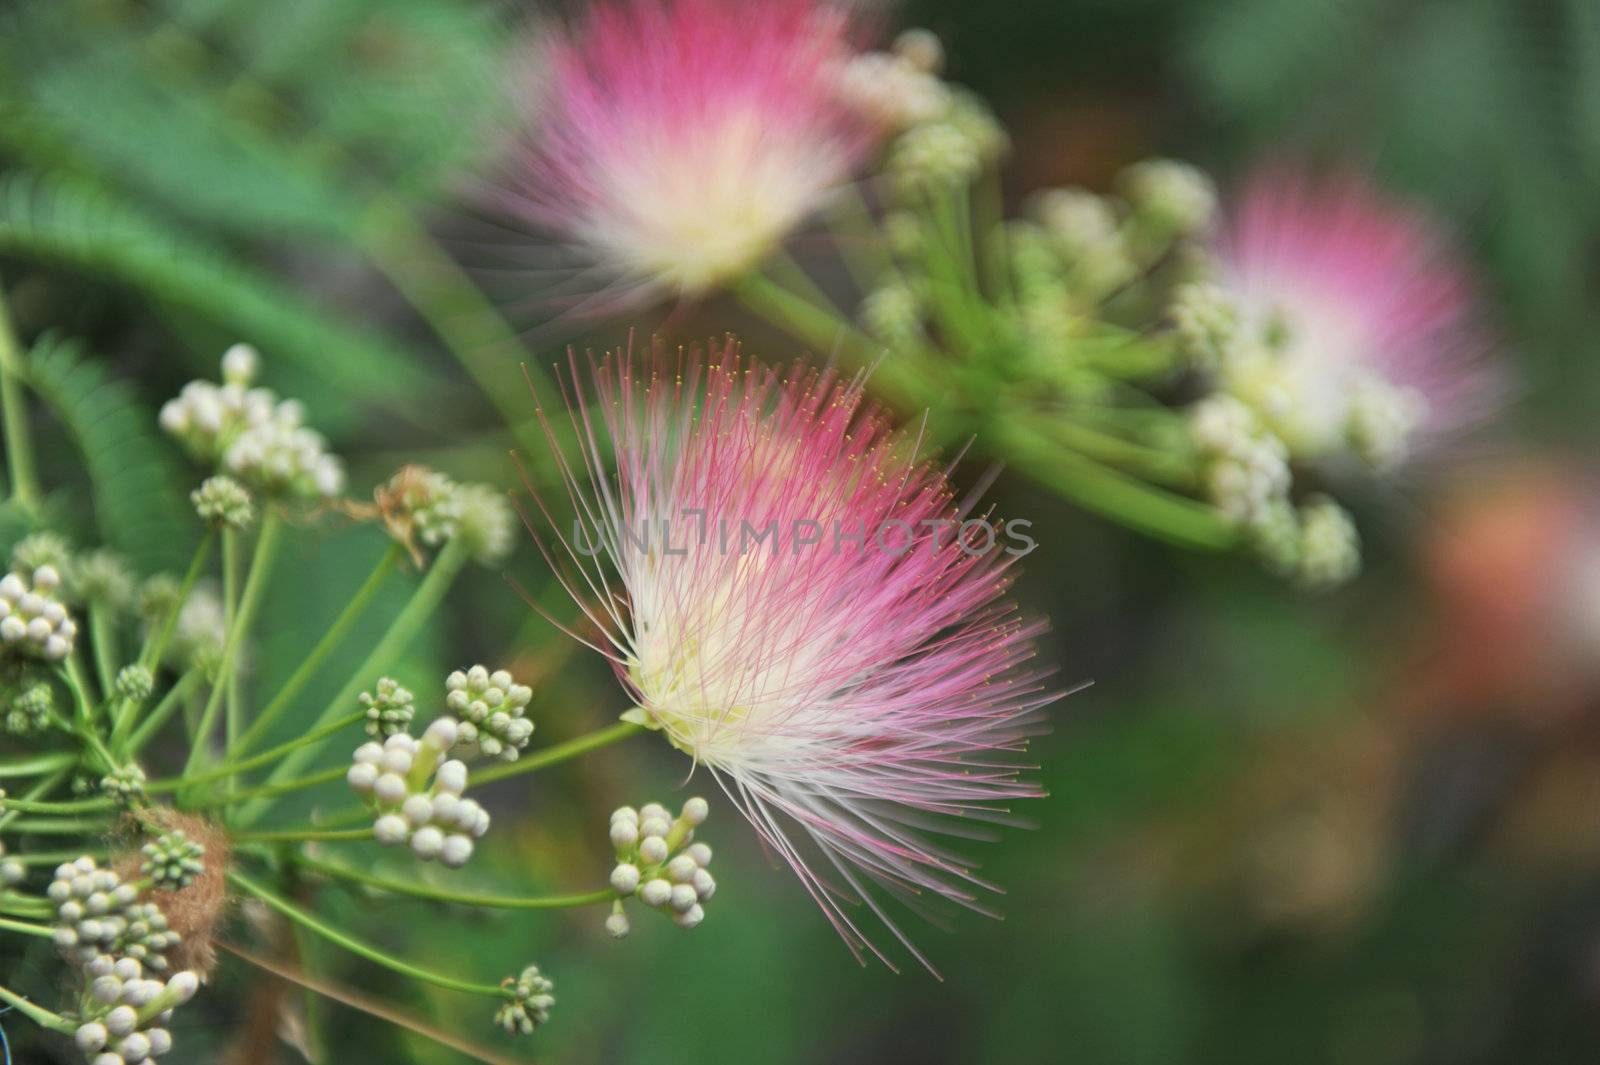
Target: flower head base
[
  {"x": 125, "y": 784},
  {"x": 26, "y": 699},
  {"x": 419, "y": 505},
  {"x": 172, "y": 860},
  {"x": 488, "y": 708},
  {"x": 799, "y": 616},
  {"x": 530, "y": 1003},
  {"x": 134, "y": 684},
  {"x": 682, "y": 140},
  {"x": 101, "y": 578},
  {"x": 223, "y": 501},
  {"x": 1357, "y": 329},
  {"x": 659, "y": 862},
  {"x": 416, "y": 794},
  {"x": 32, "y": 622},
  {"x": 389, "y": 711}
]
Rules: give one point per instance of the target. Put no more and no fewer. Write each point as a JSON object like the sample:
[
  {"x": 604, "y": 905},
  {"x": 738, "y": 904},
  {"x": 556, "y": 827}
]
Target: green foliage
[
  {"x": 134, "y": 474},
  {"x": 65, "y": 221}
]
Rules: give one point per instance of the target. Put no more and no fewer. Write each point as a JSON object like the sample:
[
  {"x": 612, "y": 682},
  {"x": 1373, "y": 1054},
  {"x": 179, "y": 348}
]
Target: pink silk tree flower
[
  {"x": 778, "y": 584},
  {"x": 1359, "y": 323},
  {"x": 679, "y": 141}
]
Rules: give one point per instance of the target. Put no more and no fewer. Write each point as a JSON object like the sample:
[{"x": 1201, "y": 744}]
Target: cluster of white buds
[
  {"x": 1204, "y": 318},
  {"x": 1173, "y": 197},
  {"x": 98, "y": 914},
  {"x": 206, "y": 417},
  {"x": 101, "y": 578},
  {"x": 933, "y": 157},
  {"x": 32, "y": 621},
  {"x": 389, "y": 711},
  {"x": 1330, "y": 547},
  {"x": 125, "y": 1013},
  {"x": 201, "y": 631},
  {"x": 125, "y": 784},
  {"x": 487, "y": 523},
  {"x": 893, "y": 313},
  {"x": 251, "y": 433},
  {"x": 416, "y": 793},
  {"x": 1247, "y": 466},
  {"x": 530, "y": 1005},
  {"x": 419, "y": 505},
  {"x": 40, "y": 549},
  {"x": 172, "y": 860},
  {"x": 901, "y": 88},
  {"x": 658, "y": 860},
  {"x": 489, "y": 711},
  {"x": 135, "y": 683},
  {"x": 29, "y": 707},
  {"x": 222, "y": 500},
  {"x": 12, "y": 872},
  {"x": 283, "y": 457},
  {"x": 1382, "y": 421}
]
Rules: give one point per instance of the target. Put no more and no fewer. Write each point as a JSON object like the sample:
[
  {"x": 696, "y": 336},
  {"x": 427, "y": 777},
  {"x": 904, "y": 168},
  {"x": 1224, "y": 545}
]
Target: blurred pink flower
[
  {"x": 1374, "y": 313},
  {"x": 854, "y": 673},
  {"x": 682, "y": 140}
]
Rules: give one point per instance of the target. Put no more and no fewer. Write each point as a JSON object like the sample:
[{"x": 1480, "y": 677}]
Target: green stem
[
  {"x": 266, "y": 791},
  {"x": 254, "y": 589},
  {"x": 423, "y": 603},
  {"x": 355, "y": 946},
  {"x": 103, "y": 636},
  {"x": 14, "y": 413},
  {"x": 325, "y": 646},
  {"x": 233, "y": 715},
  {"x": 57, "y": 826},
  {"x": 75, "y": 806},
  {"x": 828, "y": 331},
  {"x": 256, "y": 761},
  {"x": 57, "y": 857},
  {"x": 153, "y": 651},
  {"x": 168, "y": 706},
  {"x": 39, "y": 763},
  {"x": 43, "y": 786},
  {"x": 37, "y": 1014},
  {"x": 26, "y": 928},
  {"x": 1114, "y": 495},
  {"x": 423, "y": 891},
  {"x": 561, "y": 752},
  {"x": 305, "y": 835}
]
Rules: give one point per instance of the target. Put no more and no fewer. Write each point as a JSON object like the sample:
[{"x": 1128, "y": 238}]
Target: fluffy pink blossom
[
  {"x": 1372, "y": 313},
  {"x": 772, "y": 588},
  {"x": 681, "y": 140}
]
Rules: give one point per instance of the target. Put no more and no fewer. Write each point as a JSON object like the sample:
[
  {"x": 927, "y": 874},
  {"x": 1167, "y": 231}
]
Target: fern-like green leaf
[
  {"x": 136, "y": 477},
  {"x": 64, "y": 221}
]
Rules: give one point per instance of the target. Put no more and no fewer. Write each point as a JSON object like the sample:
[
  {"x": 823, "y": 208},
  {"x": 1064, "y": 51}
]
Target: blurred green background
[{"x": 1362, "y": 829}]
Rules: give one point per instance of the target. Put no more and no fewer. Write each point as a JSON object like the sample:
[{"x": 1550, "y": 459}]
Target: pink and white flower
[
  {"x": 1360, "y": 323},
  {"x": 776, "y": 580},
  {"x": 682, "y": 140}
]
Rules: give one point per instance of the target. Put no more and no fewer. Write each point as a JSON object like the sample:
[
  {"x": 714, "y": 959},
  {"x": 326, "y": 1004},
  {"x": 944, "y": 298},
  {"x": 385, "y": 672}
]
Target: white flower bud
[
  {"x": 653, "y": 849},
  {"x": 441, "y": 733},
  {"x": 696, "y": 810},
  {"x": 135, "y": 1047},
  {"x": 418, "y": 809},
  {"x": 655, "y": 892},
  {"x": 427, "y": 842},
  {"x": 121, "y": 1021},
  {"x": 239, "y": 365},
  {"x": 160, "y": 1041},
  {"x": 90, "y": 1037},
  {"x": 451, "y": 777},
  {"x": 390, "y": 789},
  {"x": 362, "y": 776},
  {"x": 617, "y": 926},
  {"x": 456, "y": 850},
  {"x": 704, "y": 885},
  {"x": 681, "y": 869},
  {"x": 683, "y": 898},
  {"x": 624, "y": 834},
  {"x": 700, "y": 852},
  {"x": 390, "y": 828},
  {"x": 625, "y": 878},
  {"x": 690, "y": 918}
]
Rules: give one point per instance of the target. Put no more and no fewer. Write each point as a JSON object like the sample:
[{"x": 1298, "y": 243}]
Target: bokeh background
[{"x": 1360, "y": 829}]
